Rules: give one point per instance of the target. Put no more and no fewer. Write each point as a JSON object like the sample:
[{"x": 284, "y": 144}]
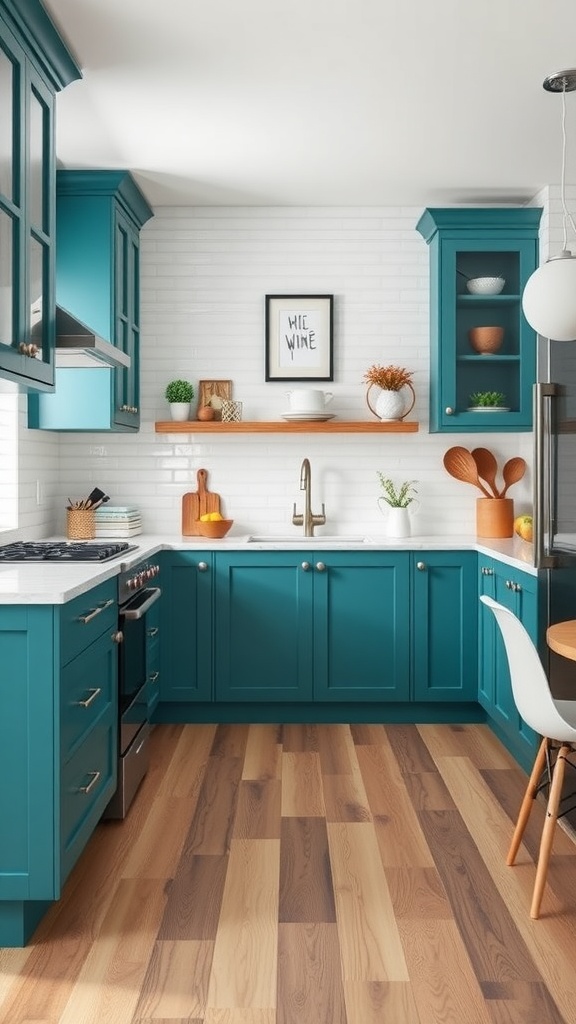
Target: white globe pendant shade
[{"x": 549, "y": 299}]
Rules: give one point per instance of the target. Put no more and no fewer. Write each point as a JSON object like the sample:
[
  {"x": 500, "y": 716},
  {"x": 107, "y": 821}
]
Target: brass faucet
[{"x": 307, "y": 519}]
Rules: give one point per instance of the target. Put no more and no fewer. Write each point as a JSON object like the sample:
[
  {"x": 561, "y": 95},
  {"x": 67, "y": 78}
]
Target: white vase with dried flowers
[{"x": 390, "y": 404}]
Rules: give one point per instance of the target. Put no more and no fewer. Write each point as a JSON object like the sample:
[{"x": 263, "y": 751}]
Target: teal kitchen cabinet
[
  {"x": 99, "y": 217},
  {"x": 34, "y": 65},
  {"x": 480, "y": 242},
  {"x": 517, "y": 591},
  {"x": 311, "y": 626},
  {"x": 444, "y": 625},
  {"x": 58, "y": 746},
  {"x": 186, "y": 625}
]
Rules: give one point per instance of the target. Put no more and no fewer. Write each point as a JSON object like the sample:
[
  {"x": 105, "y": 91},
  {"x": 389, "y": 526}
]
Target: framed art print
[{"x": 299, "y": 337}]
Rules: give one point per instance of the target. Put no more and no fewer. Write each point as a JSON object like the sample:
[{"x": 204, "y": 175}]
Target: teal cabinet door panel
[
  {"x": 480, "y": 242},
  {"x": 28, "y": 761},
  {"x": 34, "y": 65},
  {"x": 361, "y": 626},
  {"x": 444, "y": 625},
  {"x": 264, "y": 623},
  {"x": 186, "y": 624}
]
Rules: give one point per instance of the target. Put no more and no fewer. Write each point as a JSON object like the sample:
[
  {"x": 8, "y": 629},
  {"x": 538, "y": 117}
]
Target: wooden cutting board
[{"x": 196, "y": 504}]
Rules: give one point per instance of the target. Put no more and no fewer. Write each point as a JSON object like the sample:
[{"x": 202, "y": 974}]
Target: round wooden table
[{"x": 561, "y": 637}]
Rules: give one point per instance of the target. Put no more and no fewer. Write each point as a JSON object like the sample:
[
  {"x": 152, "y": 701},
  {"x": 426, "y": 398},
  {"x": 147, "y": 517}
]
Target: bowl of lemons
[{"x": 213, "y": 525}]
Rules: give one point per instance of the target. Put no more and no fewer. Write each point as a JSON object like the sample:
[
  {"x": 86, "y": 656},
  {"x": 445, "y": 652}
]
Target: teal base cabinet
[
  {"x": 186, "y": 625},
  {"x": 311, "y": 625},
  {"x": 517, "y": 591},
  {"x": 444, "y": 625},
  {"x": 472, "y": 242},
  {"x": 58, "y": 746}
]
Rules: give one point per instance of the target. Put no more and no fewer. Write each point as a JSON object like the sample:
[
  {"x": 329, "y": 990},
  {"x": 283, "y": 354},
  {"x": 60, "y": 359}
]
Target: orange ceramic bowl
[
  {"x": 486, "y": 340},
  {"x": 216, "y": 530}
]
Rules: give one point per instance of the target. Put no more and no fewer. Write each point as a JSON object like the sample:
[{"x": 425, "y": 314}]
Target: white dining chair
[{"x": 554, "y": 720}]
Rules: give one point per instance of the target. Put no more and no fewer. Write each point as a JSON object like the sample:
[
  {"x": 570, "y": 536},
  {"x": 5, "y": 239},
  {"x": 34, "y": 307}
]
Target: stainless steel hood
[{"x": 78, "y": 346}]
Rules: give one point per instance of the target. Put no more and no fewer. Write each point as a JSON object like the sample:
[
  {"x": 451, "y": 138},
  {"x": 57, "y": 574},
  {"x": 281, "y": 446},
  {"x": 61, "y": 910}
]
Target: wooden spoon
[
  {"x": 513, "y": 472},
  {"x": 487, "y": 467},
  {"x": 459, "y": 463}
]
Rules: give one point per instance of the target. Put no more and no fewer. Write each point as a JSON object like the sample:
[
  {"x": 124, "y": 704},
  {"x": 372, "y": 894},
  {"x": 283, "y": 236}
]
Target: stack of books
[{"x": 118, "y": 521}]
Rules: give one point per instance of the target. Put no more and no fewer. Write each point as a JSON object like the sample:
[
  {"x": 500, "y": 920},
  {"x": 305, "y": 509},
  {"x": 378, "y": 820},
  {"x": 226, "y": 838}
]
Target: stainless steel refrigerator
[{"x": 555, "y": 496}]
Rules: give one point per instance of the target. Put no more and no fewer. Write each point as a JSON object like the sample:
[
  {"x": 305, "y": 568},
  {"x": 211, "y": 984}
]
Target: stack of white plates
[{"x": 118, "y": 521}]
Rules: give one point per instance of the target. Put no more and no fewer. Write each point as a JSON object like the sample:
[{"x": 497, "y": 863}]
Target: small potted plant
[
  {"x": 397, "y": 498},
  {"x": 391, "y": 380},
  {"x": 487, "y": 401},
  {"x": 179, "y": 393}
]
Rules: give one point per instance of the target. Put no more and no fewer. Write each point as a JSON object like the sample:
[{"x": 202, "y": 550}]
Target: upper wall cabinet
[
  {"x": 466, "y": 244},
  {"x": 34, "y": 65},
  {"x": 99, "y": 217}
]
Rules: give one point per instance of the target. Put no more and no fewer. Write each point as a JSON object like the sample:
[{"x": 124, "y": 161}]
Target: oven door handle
[{"x": 137, "y": 613}]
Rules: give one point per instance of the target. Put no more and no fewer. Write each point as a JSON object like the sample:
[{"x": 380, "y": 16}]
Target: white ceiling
[{"x": 319, "y": 102}]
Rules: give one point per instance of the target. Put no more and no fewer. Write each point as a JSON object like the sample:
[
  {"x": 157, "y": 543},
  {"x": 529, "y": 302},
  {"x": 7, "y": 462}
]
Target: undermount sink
[{"x": 299, "y": 541}]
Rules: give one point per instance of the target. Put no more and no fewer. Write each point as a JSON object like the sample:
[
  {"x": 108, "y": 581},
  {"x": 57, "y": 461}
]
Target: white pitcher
[{"x": 397, "y": 519}]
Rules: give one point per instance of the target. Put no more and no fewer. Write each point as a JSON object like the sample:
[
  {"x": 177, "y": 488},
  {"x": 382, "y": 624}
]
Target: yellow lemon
[
  {"x": 205, "y": 518},
  {"x": 215, "y": 517}
]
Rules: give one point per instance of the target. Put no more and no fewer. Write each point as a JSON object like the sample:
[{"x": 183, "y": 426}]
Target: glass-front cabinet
[
  {"x": 482, "y": 349},
  {"x": 34, "y": 64}
]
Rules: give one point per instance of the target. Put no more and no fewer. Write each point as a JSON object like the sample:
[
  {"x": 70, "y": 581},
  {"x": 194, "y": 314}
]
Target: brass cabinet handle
[
  {"x": 202, "y": 566},
  {"x": 320, "y": 566},
  {"x": 306, "y": 566},
  {"x": 95, "y": 611},
  {"x": 91, "y": 784},
  {"x": 90, "y": 700}
]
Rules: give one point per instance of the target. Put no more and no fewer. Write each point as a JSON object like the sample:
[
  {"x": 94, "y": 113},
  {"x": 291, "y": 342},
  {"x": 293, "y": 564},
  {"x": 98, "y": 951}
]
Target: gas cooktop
[{"x": 63, "y": 551}]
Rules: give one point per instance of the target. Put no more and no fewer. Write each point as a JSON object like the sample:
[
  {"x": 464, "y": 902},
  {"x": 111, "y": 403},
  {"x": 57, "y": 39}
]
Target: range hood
[{"x": 78, "y": 346}]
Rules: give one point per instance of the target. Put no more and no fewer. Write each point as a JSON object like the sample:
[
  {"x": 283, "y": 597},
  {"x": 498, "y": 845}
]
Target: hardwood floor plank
[
  {"x": 335, "y": 747},
  {"x": 509, "y": 786},
  {"x": 108, "y": 986},
  {"x": 12, "y": 964},
  {"x": 377, "y": 1002},
  {"x": 302, "y": 793},
  {"x": 230, "y": 741},
  {"x": 258, "y": 810},
  {"x": 476, "y": 742},
  {"x": 417, "y": 892},
  {"x": 239, "y": 1016},
  {"x": 263, "y": 752},
  {"x": 428, "y": 792},
  {"x": 148, "y": 858},
  {"x": 521, "y": 1003},
  {"x": 246, "y": 948},
  {"x": 409, "y": 748},
  {"x": 298, "y": 737},
  {"x": 194, "y": 898},
  {"x": 182, "y": 776},
  {"x": 176, "y": 981},
  {"x": 345, "y": 798},
  {"x": 442, "y": 979},
  {"x": 309, "y": 978},
  {"x": 211, "y": 828},
  {"x": 369, "y": 940},
  {"x": 306, "y": 890},
  {"x": 368, "y": 735}
]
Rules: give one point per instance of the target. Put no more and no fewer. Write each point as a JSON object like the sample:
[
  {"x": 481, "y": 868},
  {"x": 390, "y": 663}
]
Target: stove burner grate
[{"x": 63, "y": 551}]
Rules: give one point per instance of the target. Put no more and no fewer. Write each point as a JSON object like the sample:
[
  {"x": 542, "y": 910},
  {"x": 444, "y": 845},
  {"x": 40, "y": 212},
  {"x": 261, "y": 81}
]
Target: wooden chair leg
[
  {"x": 548, "y": 830},
  {"x": 528, "y": 800}
]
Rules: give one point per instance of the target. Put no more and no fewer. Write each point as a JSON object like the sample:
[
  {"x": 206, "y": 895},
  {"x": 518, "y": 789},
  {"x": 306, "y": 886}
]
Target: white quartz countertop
[{"x": 54, "y": 583}]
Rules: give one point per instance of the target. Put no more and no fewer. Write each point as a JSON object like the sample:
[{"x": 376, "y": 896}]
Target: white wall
[{"x": 205, "y": 272}]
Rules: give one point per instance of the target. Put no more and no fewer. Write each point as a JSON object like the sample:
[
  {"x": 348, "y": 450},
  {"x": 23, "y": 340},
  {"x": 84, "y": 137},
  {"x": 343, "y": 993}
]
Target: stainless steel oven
[{"x": 135, "y": 598}]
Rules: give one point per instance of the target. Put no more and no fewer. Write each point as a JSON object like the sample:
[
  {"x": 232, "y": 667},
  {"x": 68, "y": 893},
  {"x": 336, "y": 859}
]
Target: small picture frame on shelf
[
  {"x": 299, "y": 337},
  {"x": 214, "y": 393}
]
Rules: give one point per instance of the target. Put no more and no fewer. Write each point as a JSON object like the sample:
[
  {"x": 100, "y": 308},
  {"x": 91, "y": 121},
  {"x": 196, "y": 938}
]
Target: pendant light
[{"x": 549, "y": 299}]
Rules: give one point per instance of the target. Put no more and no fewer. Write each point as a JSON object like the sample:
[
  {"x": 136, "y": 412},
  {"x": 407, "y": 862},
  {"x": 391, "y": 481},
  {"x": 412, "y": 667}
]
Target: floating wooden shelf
[{"x": 294, "y": 427}]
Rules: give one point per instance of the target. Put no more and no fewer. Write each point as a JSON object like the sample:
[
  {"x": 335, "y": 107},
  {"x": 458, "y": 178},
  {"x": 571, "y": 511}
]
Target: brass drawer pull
[
  {"x": 91, "y": 784},
  {"x": 95, "y": 611},
  {"x": 90, "y": 700}
]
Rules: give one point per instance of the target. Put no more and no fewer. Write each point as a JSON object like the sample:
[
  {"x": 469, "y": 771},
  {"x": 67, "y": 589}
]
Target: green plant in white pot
[
  {"x": 397, "y": 499},
  {"x": 179, "y": 393}
]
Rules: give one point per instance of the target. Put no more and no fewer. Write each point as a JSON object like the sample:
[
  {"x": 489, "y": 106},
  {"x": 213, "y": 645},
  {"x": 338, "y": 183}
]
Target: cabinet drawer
[
  {"x": 85, "y": 618},
  {"x": 88, "y": 781},
  {"x": 89, "y": 687}
]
